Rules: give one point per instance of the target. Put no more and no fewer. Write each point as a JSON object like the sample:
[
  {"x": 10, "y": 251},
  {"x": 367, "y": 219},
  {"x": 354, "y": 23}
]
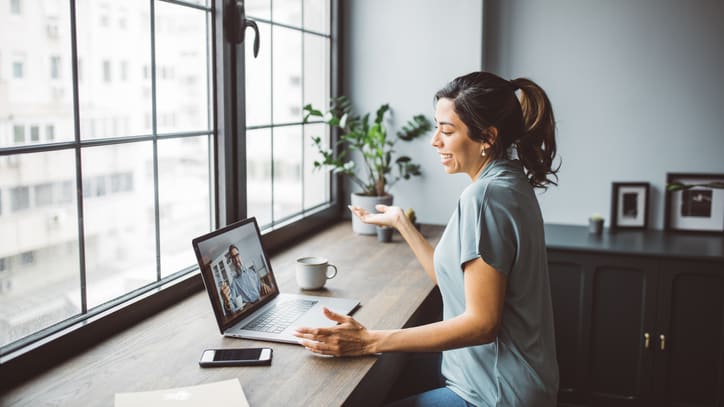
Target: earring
[{"x": 483, "y": 152}]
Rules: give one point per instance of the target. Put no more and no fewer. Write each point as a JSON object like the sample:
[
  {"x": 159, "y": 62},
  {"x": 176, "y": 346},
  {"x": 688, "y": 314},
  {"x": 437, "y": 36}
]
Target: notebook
[{"x": 243, "y": 291}]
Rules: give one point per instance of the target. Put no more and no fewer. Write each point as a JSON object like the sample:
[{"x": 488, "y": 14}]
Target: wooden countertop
[{"x": 163, "y": 351}]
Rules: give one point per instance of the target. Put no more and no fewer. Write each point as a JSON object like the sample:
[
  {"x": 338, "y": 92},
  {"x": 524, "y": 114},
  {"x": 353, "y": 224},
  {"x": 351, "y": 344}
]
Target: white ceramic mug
[{"x": 313, "y": 272}]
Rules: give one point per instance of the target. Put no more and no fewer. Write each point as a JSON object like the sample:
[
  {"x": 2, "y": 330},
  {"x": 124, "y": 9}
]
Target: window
[
  {"x": 19, "y": 198},
  {"x": 19, "y": 133},
  {"x": 34, "y": 133},
  {"x": 50, "y": 132},
  {"x": 55, "y": 67},
  {"x": 127, "y": 175},
  {"x": 106, "y": 71},
  {"x": 15, "y": 7},
  {"x": 124, "y": 71},
  {"x": 279, "y": 165},
  {"x": 18, "y": 70},
  {"x": 44, "y": 194},
  {"x": 27, "y": 258}
]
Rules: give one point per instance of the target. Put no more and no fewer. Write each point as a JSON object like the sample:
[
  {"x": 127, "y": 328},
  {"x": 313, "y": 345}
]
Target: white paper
[{"x": 227, "y": 393}]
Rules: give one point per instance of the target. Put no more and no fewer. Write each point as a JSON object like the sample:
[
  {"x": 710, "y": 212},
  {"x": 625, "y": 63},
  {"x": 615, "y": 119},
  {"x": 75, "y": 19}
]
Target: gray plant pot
[
  {"x": 595, "y": 226},
  {"x": 368, "y": 203}
]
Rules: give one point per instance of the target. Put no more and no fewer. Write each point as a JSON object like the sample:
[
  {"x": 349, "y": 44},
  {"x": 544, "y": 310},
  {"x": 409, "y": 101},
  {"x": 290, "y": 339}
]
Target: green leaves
[
  {"x": 414, "y": 128},
  {"x": 371, "y": 141},
  {"x": 678, "y": 186}
]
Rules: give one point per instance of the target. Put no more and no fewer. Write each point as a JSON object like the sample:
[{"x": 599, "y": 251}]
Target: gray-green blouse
[{"x": 498, "y": 219}]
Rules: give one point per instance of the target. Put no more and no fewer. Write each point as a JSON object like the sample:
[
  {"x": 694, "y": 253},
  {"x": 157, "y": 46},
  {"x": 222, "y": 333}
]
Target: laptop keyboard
[{"x": 280, "y": 316}]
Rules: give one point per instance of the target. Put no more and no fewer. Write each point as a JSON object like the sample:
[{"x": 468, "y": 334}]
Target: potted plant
[{"x": 378, "y": 171}]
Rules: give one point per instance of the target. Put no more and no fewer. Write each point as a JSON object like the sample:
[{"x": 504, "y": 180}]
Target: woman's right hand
[{"x": 391, "y": 216}]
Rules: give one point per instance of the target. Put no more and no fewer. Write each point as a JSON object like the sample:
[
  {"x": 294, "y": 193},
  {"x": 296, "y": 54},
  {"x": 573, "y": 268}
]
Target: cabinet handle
[
  {"x": 662, "y": 341},
  {"x": 647, "y": 339}
]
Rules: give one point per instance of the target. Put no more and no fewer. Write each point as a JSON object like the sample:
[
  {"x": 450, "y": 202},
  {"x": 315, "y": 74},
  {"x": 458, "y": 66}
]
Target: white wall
[
  {"x": 401, "y": 52},
  {"x": 636, "y": 86}
]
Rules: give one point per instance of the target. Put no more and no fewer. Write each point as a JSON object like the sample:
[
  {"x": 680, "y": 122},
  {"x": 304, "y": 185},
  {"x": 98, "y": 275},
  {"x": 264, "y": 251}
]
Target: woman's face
[{"x": 458, "y": 153}]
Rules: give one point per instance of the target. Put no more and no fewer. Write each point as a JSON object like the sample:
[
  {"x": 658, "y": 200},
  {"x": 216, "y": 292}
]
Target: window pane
[
  {"x": 317, "y": 15},
  {"x": 317, "y": 74},
  {"x": 120, "y": 235},
  {"x": 287, "y": 12},
  {"x": 36, "y": 46},
  {"x": 287, "y": 171},
  {"x": 258, "y": 9},
  {"x": 40, "y": 283},
  {"x": 259, "y": 175},
  {"x": 316, "y": 181},
  {"x": 181, "y": 68},
  {"x": 287, "y": 75},
  {"x": 184, "y": 197},
  {"x": 104, "y": 97},
  {"x": 258, "y": 80}
]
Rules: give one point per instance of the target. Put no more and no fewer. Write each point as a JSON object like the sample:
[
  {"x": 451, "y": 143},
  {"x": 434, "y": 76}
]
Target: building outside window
[{"x": 145, "y": 172}]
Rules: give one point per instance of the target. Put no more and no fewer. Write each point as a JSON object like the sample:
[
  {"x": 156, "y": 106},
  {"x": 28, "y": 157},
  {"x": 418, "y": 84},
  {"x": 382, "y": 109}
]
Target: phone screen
[{"x": 236, "y": 354}]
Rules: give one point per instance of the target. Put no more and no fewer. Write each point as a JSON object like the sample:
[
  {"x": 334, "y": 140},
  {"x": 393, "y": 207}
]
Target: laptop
[{"x": 243, "y": 291}]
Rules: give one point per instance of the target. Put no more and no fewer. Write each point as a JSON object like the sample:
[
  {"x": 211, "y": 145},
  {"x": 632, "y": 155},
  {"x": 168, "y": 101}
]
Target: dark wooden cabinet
[
  {"x": 689, "y": 335},
  {"x": 637, "y": 325}
]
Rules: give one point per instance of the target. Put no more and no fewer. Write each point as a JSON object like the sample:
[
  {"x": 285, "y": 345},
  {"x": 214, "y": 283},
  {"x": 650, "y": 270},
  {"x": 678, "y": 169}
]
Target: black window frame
[{"x": 43, "y": 350}]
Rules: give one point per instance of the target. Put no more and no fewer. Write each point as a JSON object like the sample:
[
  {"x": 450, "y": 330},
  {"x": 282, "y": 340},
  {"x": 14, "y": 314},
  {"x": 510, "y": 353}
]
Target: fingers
[
  {"x": 339, "y": 318},
  {"x": 359, "y": 212}
]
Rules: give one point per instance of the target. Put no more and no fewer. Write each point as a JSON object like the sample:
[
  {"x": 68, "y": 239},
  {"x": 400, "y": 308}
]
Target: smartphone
[{"x": 236, "y": 357}]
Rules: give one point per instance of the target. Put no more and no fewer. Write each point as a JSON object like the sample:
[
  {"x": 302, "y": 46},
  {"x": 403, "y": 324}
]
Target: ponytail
[{"x": 537, "y": 146}]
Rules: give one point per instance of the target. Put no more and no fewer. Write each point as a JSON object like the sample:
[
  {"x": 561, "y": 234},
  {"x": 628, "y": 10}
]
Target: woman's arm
[
  {"x": 479, "y": 324},
  {"x": 393, "y": 216}
]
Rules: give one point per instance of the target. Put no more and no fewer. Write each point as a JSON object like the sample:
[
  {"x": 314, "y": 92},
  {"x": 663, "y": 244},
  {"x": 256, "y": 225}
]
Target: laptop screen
[{"x": 235, "y": 271}]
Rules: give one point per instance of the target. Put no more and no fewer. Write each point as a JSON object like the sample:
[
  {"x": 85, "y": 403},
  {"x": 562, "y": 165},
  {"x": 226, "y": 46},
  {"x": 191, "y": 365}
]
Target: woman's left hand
[{"x": 349, "y": 338}]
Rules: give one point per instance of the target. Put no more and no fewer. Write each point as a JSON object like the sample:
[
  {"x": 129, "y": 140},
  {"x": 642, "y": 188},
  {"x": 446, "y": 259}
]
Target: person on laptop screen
[
  {"x": 496, "y": 336},
  {"x": 246, "y": 286}
]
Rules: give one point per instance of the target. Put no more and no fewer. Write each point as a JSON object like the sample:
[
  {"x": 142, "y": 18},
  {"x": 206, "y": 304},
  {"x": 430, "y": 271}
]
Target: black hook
[{"x": 237, "y": 23}]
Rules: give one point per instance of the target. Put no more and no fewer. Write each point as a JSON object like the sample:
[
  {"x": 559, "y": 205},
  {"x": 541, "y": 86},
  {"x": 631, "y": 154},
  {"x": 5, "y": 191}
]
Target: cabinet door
[
  {"x": 603, "y": 305},
  {"x": 689, "y": 370},
  {"x": 623, "y": 310},
  {"x": 571, "y": 313}
]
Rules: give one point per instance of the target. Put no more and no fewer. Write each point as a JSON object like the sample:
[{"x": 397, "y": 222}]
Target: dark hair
[
  {"x": 233, "y": 247},
  {"x": 483, "y": 100}
]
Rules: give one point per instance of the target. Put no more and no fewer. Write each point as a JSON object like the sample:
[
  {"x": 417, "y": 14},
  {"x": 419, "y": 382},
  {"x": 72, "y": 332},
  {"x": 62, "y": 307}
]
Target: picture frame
[
  {"x": 694, "y": 203},
  {"x": 630, "y": 205}
]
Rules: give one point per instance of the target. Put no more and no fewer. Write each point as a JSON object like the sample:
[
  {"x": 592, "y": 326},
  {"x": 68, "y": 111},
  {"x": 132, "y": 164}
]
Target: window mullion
[
  {"x": 302, "y": 81},
  {"x": 78, "y": 157},
  {"x": 154, "y": 133},
  {"x": 240, "y": 137}
]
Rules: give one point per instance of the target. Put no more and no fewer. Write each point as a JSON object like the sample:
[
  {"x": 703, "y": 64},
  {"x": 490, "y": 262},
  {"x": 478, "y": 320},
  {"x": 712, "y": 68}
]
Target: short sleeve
[{"x": 487, "y": 230}]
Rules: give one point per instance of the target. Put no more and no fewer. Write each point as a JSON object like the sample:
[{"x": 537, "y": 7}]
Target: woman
[{"x": 490, "y": 263}]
